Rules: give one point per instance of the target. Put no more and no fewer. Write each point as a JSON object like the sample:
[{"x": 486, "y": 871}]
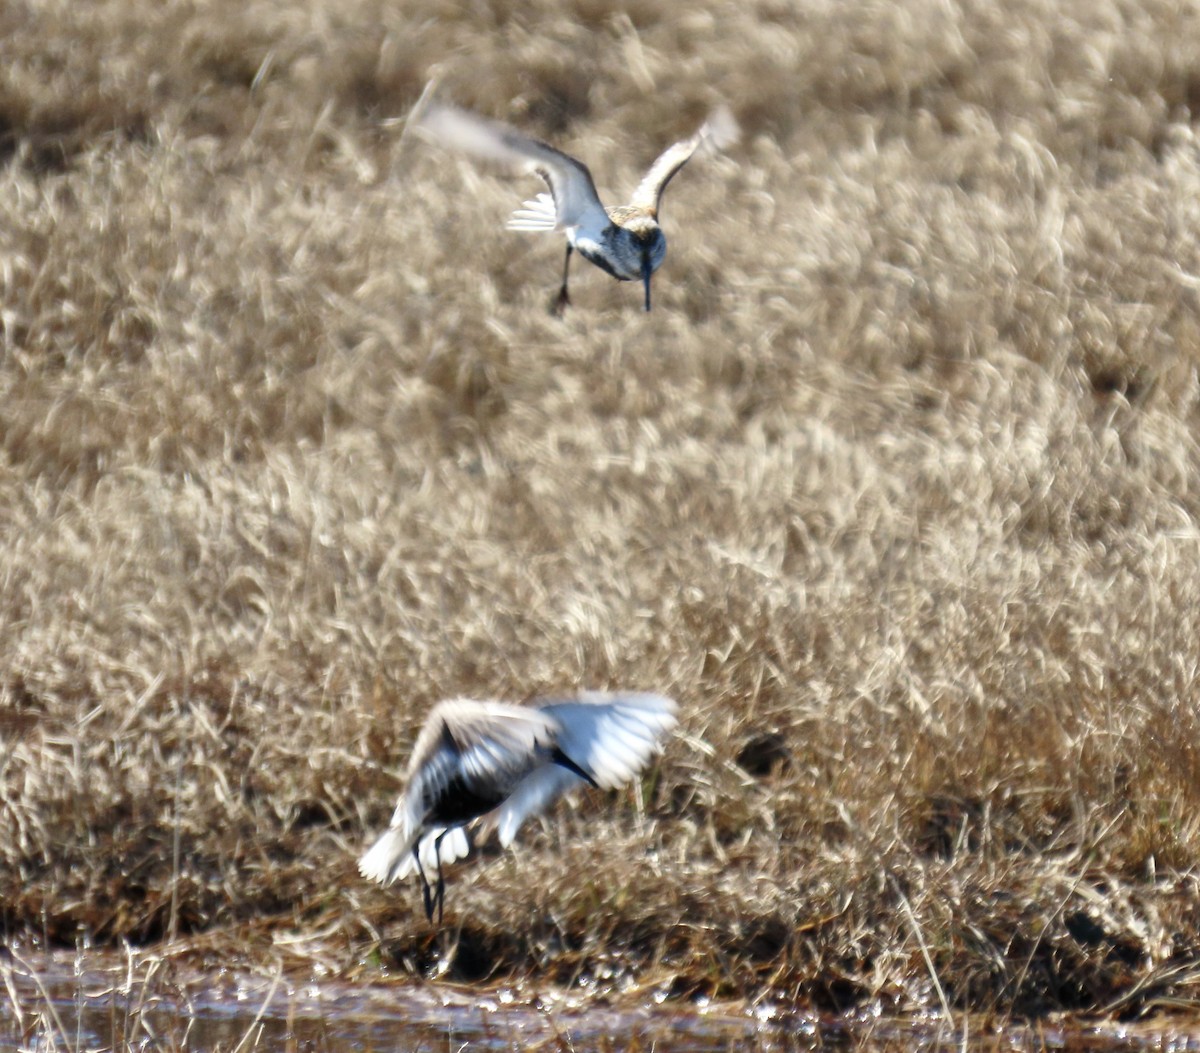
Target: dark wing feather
[
  {"x": 570, "y": 182},
  {"x": 481, "y": 742}
]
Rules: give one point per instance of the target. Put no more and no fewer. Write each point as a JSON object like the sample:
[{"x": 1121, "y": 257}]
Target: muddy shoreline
[{"x": 92, "y": 997}]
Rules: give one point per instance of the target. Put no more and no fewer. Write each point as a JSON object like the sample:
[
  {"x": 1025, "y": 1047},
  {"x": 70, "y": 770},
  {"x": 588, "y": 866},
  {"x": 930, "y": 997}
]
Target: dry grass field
[{"x": 897, "y": 490}]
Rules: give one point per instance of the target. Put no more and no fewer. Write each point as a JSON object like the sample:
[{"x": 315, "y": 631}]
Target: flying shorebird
[
  {"x": 504, "y": 763},
  {"x": 626, "y": 241}
]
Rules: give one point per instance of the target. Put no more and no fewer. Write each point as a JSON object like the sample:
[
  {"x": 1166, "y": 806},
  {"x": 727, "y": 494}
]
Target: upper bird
[
  {"x": 506, "y": 762},
  {"x": 626, "y": 241}
]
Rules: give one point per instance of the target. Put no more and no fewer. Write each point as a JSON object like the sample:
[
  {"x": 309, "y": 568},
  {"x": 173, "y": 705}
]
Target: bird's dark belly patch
[
  {"x": 600, "y": 261},
  {"x": 460, "y": 803}
]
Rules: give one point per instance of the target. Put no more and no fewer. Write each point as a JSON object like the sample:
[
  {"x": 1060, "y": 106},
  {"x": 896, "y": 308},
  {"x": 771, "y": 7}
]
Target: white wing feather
[
  {"x": 612, "y": 736},
  {"x": 574, "y": 194},
  {"x": 537, "y": 214},
  {"x": 719, "y": 131}
]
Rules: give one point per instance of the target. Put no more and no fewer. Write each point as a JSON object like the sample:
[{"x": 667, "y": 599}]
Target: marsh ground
[{"x": 896, "y": 490}]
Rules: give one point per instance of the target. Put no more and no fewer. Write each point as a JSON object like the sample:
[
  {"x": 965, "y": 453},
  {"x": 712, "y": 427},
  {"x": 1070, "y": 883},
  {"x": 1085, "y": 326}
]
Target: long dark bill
[
  {"x": 646, "y": 272},
  {"x": 564, "y": 761}
]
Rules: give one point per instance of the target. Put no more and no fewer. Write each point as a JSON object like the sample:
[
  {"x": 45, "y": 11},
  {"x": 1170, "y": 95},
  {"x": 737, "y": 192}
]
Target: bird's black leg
[
  {"x": 425, "y": 890},
  {"x": 563, "y": 298},
  {"x": 441, "y": 885}
]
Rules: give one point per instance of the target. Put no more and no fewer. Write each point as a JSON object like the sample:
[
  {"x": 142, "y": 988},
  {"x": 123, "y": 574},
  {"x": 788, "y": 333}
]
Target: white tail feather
[
  {"x": 389, "y": 858},
  {"x": 454, "y": 846}
]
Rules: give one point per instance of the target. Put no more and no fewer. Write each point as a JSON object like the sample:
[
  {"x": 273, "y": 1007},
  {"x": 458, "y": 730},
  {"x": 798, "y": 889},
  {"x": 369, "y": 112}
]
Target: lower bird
[
  {"x": 626, "y": 241},
  {"x": 502, "y": 763}
]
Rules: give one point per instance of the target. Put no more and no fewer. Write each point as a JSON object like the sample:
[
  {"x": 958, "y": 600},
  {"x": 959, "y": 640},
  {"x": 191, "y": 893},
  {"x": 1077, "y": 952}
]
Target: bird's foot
[{"x": 560, "y": 303}]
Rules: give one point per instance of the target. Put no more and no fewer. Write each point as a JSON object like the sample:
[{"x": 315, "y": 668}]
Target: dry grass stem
[{"x": 896, "y": 490}]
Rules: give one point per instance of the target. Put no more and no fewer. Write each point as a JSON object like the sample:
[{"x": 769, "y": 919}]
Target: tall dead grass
[{"x": 896, "y": 489}]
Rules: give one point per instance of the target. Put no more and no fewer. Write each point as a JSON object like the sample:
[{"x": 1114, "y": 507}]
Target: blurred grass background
[{"x": 895, "y": 489}]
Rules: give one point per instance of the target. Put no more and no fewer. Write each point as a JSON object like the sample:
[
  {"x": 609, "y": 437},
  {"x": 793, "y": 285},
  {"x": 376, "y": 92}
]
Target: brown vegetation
[{"x": 896, "y": 489}]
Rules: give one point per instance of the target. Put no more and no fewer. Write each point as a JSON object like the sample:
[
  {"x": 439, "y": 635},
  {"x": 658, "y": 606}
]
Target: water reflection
[{"x": 59, "y": 1004}]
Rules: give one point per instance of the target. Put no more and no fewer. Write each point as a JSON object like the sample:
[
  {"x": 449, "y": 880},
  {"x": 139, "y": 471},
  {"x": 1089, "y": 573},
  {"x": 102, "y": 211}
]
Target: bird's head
[{"x": 651, "y": 245}]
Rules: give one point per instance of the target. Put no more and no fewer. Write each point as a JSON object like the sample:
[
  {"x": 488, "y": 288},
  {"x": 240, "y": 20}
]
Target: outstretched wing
[
  {"x": 612, "y": 736},
  {"x": 576, "y": 202},
  {"x": 489, "y": 744},
  {"x": 719, "y": 131}
]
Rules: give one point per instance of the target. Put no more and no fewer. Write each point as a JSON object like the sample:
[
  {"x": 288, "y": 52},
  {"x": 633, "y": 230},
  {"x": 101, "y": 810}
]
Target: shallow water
[
  {"x": 61, "y": 1004},
  {"x": 55, "y": 1003}
]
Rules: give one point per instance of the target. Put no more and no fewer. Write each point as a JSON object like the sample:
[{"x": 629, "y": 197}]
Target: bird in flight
[
  {"x": 625, "y": 241},
  {"x": 502, "y": 763}
]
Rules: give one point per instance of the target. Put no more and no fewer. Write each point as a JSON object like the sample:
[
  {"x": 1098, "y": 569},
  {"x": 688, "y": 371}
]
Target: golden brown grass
[{"x": 896, "y": 490}]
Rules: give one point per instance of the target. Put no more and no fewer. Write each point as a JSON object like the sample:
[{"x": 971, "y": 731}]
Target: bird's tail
[{"x": 389, "y": 858}]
